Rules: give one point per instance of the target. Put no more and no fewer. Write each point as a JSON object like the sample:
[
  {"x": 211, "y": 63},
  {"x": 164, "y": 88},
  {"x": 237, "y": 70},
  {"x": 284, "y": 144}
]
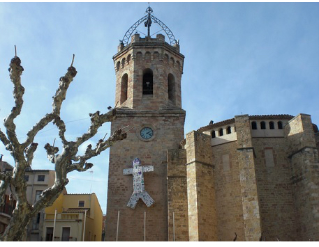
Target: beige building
[
  {"x": 256, "y": 176},
  {"x": 37, "y": 182},
  {"x": 73, "y": 217}
]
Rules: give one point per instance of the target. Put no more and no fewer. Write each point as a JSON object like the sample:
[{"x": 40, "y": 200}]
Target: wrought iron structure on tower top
[{"x": 147, "y": 19}]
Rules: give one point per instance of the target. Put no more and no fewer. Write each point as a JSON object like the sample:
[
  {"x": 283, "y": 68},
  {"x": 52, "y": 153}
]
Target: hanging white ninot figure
[{"x": 138, "y": 184}]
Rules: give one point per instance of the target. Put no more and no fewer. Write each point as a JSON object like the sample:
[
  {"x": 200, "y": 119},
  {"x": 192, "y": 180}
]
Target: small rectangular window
[
  {"x": 81, "y": 204},
  {"x": 41, "y": 177},
  {"x": 26, "y": 178}
]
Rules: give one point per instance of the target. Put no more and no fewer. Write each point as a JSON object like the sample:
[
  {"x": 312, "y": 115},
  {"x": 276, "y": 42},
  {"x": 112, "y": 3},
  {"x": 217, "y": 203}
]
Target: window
[
  {"x": 213, "y": 134},
  {"x": 81, "y": 204},
  {"x": 171, "y": 87},
  {"x": 26, "y": 178},
  {"x": 124, "y": 86},
  {"x": 254, "y": 125},
  {"x": 36, "y": 222},
  {"x": 271, "y": 125},
  {"x": 263, "y": 125},
  {"x": 128, "y": 58},
  {"x": 221, "y": 132},
  {"x": 228, "y": 130},
  {"x": 279, "y": 125},
  {"x": 118, "y": 65},
  {"x": 38, "y": 218},
  {"x": 123, "y": 62},
  {"x": 41, "y": 178},
  {"x": 148, "y": 81},
  {"x": 38, "y": 194}
]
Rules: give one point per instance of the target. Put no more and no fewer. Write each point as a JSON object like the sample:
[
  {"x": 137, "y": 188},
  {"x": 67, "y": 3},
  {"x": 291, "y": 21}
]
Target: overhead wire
[{"x": 43, "y": 131}]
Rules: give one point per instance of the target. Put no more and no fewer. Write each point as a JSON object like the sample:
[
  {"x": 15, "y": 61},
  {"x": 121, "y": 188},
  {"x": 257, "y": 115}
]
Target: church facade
[{"x": 249, "y": 177}]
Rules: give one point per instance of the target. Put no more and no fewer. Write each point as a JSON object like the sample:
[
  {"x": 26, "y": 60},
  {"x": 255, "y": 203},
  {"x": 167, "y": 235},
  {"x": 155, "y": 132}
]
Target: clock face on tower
[{"x": 146, "y": 133}]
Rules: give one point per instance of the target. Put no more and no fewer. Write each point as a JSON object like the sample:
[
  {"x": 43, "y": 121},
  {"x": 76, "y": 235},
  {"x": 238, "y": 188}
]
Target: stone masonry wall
[
  {"x": 200, "y": 188},
  {"x": 177, "y": 195},
  {"x": 229, "y": 208},
  {"x": 275, "y": 192},
  {"x": 305, "y": 175},
  {"x": 247, "y": 175}
]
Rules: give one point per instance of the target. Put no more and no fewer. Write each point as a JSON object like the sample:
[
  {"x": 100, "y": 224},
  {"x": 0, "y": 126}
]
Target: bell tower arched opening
[
  {"x": 147, "y": 82},
  {"x": 124, "y": 86}
]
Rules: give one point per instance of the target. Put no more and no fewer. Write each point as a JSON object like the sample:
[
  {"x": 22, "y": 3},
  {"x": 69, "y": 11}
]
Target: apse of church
[{"x": 248, "y": 178}]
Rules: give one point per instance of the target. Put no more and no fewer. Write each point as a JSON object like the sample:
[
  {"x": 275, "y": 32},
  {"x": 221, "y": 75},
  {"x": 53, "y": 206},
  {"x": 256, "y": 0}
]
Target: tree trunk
[{"x": 16, "y": 230}]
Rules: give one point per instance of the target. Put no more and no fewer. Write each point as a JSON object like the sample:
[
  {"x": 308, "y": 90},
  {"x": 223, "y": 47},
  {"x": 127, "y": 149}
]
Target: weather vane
[
  {"x": 148, "y": 22},
  {"x": 148, "y": 19}
]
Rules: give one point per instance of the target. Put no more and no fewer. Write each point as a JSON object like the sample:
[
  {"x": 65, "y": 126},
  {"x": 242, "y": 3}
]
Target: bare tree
[{"x": 65, "y": 161}]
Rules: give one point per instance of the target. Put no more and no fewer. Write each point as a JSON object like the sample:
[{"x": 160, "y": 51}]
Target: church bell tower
[{"x": 148, "y": 106}]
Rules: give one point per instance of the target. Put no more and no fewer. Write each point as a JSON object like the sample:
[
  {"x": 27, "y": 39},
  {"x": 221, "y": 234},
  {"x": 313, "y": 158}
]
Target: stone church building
[{"x": 249, "y": 177}]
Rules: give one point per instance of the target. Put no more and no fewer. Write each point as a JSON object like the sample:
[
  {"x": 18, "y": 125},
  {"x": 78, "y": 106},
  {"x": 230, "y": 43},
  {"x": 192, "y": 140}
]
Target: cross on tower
[{"x": 138, "y": 184}]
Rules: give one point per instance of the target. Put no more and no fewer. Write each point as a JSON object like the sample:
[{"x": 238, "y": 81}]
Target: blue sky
[{"x": 240, "y": 58}]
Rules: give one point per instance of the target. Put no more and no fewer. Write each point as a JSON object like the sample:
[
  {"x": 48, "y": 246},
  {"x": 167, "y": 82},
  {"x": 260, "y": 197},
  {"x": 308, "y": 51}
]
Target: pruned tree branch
[
  {"x": 36, "y": 128},
  {"x": 82, "y": 165},
  {"x": 49, "y": 195},
  {"x": 18, "y": 90},
  {"x": 60, "y": 94},
  {"x": 4, "y": 139},
  {"x": 29, "y": 152},
  {"x": 51, "y": 152},
  {"x": 61, "y": 126},
  {"x": 96, "y": 122}
]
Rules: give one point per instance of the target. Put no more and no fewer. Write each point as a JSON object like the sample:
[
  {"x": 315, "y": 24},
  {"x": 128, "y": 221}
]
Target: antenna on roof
[{"x": 91, "y": 181}]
